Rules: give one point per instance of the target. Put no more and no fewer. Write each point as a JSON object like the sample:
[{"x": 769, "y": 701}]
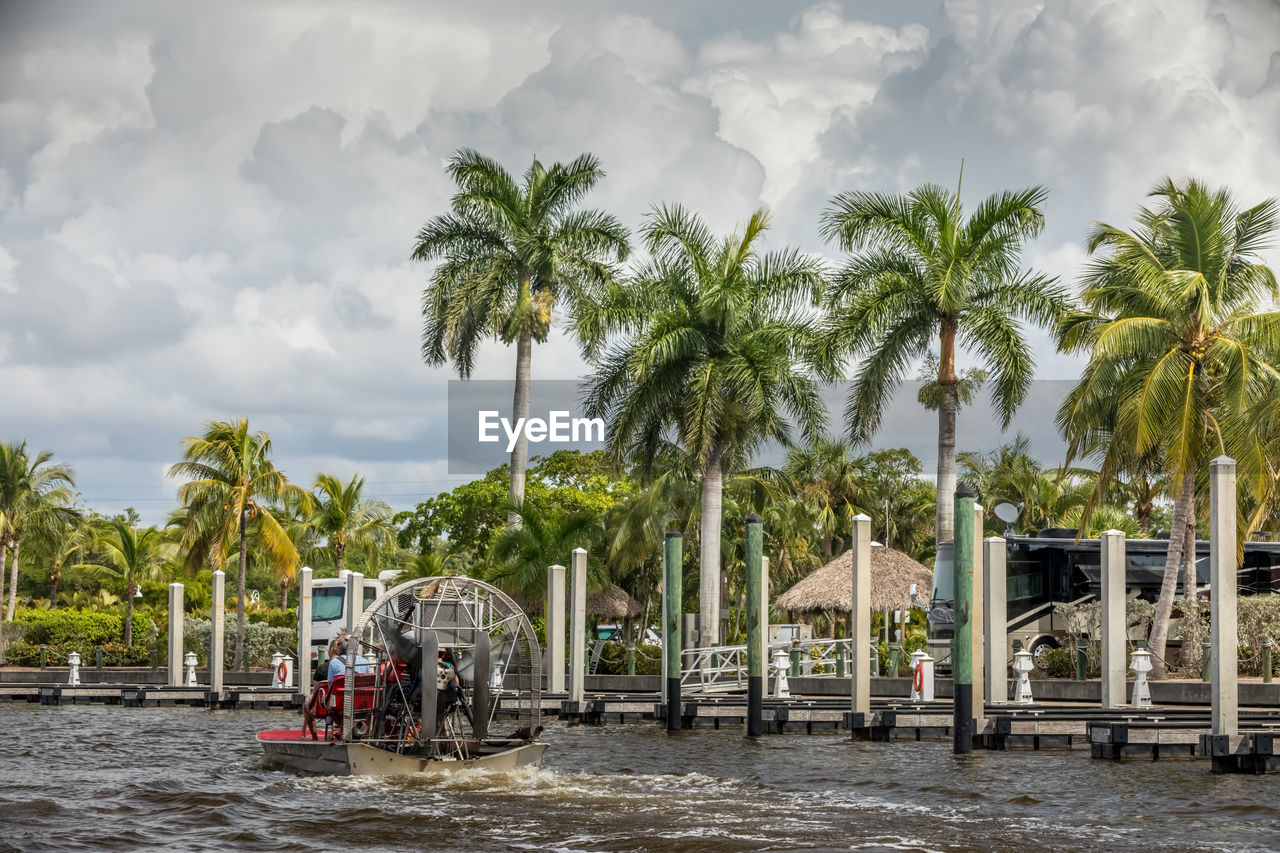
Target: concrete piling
[
  {"x": 962, "y": 644},
  {"x": 1223, "y": 629},
  {"x": 996, "y": 622},
  {"x": 217, "y": 634},
  {"x": 578, "y": 627},
  {"x": 555, "y": 629},
  {"x": 1114, "y": 636},
  {"x": 673, "y": 581},
  {"x": 355, "y": 599},
  {"x": 757, "y": 643},
  {"x": 305, "y": 666},
  {"x": 175, "y": 634},
  {"x": 860, "y": 618}
]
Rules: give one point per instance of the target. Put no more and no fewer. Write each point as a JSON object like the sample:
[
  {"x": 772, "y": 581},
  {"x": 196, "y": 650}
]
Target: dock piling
[
  {"x": 860, "y": 619},
  {"x": 756, "y": 642},
  {"x": 962, "y": 727},
  {"x": 995, "y": 600},
  {"x": 578, "y": 627},
  {"x": 555, "y": 629},
  {"x": 1114, "y": 637},
  {"x": 175, "y": 634},
  {"x": 672, "y": 582},
  {"x": 305, "y": 667},
  {"x": 218, "y": 629},
  {"x": 1222, "y": 583}
]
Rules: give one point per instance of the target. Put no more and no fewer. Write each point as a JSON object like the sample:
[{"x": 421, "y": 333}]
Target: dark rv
[{"x": 1045, "y": 570}]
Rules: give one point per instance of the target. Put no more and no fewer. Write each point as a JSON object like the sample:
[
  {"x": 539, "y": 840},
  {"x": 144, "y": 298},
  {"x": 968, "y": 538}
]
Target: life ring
[
  {"x": 917, "y": 682},
  {"x": 282, "y": 673}
]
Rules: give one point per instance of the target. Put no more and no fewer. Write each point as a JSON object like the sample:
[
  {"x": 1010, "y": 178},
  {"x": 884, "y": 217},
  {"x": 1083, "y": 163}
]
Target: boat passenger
[{"x": 337, "y": 658}]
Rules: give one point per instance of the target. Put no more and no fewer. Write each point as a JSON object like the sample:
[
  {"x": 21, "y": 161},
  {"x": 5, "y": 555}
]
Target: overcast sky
[{"x": 206, "y": 210}]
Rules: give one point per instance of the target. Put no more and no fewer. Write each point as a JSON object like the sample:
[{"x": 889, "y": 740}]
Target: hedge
[{"x": 87, "y": 628}]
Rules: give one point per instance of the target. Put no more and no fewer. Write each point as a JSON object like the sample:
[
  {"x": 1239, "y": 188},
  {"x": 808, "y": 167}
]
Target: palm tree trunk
[
  {"x": 284, "y": 593},
  {"x": 54, "y": 580},
  {"x": 1189, "y": 579},
  {"x": 339, "y": 556},
  {"x": 944, "y": 519},
  {"x": 244, "y": 562},
  {"x": 519, "y": 413},
  {"x": 13, "y": 581},
  {"x": 709, "y": 562},
  {"x": 4, "y": 562},
  {"x": 1159, "y": 637},
  {"x": 127, "y": 635}
]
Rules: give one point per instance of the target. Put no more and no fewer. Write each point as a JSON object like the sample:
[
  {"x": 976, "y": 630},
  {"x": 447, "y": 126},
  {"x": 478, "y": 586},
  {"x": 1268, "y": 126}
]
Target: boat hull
[{"x": 288, "y": 749}]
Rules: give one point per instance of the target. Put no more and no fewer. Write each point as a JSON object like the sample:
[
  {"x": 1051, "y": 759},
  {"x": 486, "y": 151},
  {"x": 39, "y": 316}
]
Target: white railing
[{"x": 722, "y": 668}]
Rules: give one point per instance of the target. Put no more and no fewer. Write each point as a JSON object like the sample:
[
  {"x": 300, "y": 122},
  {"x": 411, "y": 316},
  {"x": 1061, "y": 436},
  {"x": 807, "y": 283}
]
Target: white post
[
  {"x": 979, "y": 623},
  {"x": 578, "y": 627},
  {"x": 1023, "y": 664},
  {"x": 926, "y": 667},
  {"x": 1140, "y": 663},
  {"x": 1114, "y": 636},
  {"x": 555, "y": 629},
  {"x": 73, "y": 661},
  {"x": 764, "y": 611},
  {"x": 190, "y": 661},
  {"x": 781, "y": 667},
  {"x": 305, "y": 666},
  {"x": 860, "y": 618},
  {"x": 1223, "y": 630},
  {"x": 355, "y": 600},
  {"x": 217, "y": 633},
  {"x": 996, "y": 645},
  {"x": 175, "y": 634}
]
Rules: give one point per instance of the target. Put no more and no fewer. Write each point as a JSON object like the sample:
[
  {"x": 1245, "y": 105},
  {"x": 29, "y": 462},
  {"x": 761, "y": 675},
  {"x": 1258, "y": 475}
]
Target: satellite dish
[{"x": 1007, "y": 512}]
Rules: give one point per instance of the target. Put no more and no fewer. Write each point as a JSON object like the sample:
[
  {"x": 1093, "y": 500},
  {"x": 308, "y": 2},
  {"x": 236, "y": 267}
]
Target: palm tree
[
  {"x": 512, "y": 253},
  {"x": 35, "y": 495},
  {"x": 230, "y": 480},
  {"x": 520, "y": 555},
  {"x": 1178, "y": 352},
  {"x": 59, "y": 549},
  {"x": 717, "y": 346},
  {"x": 130, "y": 556},
  {"x": 825, "y": 480},
  {"x": 923, "y": 272},
  {"x": 345, "y": 518}
]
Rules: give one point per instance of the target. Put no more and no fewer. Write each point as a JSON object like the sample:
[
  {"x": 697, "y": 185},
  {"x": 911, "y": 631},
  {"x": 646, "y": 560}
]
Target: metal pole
[
  {"x": 860, "y": 617},
  {"x": 1114, "y": 636},
  {"x": 578, "y": 627},
  {"x": 480, "y": 685},
  {"x": 305, "y": 667},
  {"x": 962, "y": 653},
  {"x": 1222, "y": 582},
  {"x": 175, "y": 634},
  {"x": 996, "y": 647},
  {"x": 555, "y": 629},
  {"x": 756, "y": 648},
  {"x": 427, "y": 704},
  {"x": 217, "y": 632},
  {"x": 672, "y": 606}
]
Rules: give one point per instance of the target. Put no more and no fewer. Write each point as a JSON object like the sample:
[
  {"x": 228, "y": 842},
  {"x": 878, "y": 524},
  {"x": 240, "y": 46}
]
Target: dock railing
[{"x": 724, "y": 668}]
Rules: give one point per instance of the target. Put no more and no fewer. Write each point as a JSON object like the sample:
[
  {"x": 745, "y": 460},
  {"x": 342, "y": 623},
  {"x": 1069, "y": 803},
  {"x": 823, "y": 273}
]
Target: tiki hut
[
  {"x": 612, "y": 604},
  {"x": 830, "y": 588}
]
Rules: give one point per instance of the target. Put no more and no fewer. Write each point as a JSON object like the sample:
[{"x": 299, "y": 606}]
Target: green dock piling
[
  {"x": 1266, "y": 660},
  {"x": 962, "y": 651},
  {"x": 673, "y": 580},
  {"x": 756, "y": 650}
]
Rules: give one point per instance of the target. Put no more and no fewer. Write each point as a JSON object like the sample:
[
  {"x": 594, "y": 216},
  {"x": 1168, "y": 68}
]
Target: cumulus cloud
[{"x": 207, "y": 213}]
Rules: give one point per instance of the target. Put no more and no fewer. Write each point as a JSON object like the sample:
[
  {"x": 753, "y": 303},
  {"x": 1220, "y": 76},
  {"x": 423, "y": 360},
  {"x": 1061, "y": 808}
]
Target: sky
[{"x": 207, "y": 210}]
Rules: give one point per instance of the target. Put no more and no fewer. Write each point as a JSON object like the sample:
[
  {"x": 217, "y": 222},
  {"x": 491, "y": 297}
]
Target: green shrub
[
  {"x": 61, "y": 626},
  {"x": 261, "y": 640},
  {"x": 22, "y": 653},
  {"x": 1057, "y": 663},
  {"x": 613, "y": 660}
]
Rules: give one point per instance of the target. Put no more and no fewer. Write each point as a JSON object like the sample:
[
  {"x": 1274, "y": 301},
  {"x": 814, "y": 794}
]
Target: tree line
[{"x": 708, "y": 346}]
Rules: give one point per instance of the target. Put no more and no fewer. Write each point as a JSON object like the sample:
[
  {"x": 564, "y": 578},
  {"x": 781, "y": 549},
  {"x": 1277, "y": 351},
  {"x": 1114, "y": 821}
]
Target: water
[{"x": 88, "y": 778}]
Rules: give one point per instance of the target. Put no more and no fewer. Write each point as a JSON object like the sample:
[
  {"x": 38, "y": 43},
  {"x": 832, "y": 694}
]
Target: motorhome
[
  {"x": 328, "y": 608},
  {"x": 1053, "y": 568}
]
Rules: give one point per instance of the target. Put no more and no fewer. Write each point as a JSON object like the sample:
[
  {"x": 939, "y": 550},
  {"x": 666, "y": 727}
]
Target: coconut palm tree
[
  {"x": 512, "y": 253},
  {"x": 715, "y": 350},
  {"x": 60, "y": 549},
  {"x": 231, "y": 482},
  {"x": 130, "y": 556},
  {"x": 35, "y": 496},
  {"x": 922, "y": 272},
  {"x": 1182, "y": 341},
  {"x": 825, "y": 480},
  {"x": 346, "y": 518}
]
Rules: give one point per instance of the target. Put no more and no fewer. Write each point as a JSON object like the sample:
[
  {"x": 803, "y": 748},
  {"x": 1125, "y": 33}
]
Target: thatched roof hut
[
  {"x": 830, "y": 588},
  {"x": 613, "y": 604}
]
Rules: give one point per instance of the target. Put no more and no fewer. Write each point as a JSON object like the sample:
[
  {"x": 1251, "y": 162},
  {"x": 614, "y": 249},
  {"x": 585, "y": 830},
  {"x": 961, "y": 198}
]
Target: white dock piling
[
  {"x": 979, "y": 622},
  {"x": 305, "y": 667},
  {"x": 1114, "y": 636},
  {"x": 555, "y": 629},
  {"x": 1223, "y": 630},
  {"x": 217, "y": 633},
  {"x": 578, "y": 627},
  {"x": 175, "y": 634},
  {"x": 996, "y": 620},
  {"x": 860, "y": 618}
]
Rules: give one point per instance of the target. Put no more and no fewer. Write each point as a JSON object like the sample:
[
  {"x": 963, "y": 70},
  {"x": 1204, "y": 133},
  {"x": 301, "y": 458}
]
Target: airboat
[{"x": 444, "y": 657}]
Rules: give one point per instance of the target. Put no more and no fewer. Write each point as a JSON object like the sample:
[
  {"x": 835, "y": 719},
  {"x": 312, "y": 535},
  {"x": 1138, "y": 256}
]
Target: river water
[{"x": 95, "y": 777}]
